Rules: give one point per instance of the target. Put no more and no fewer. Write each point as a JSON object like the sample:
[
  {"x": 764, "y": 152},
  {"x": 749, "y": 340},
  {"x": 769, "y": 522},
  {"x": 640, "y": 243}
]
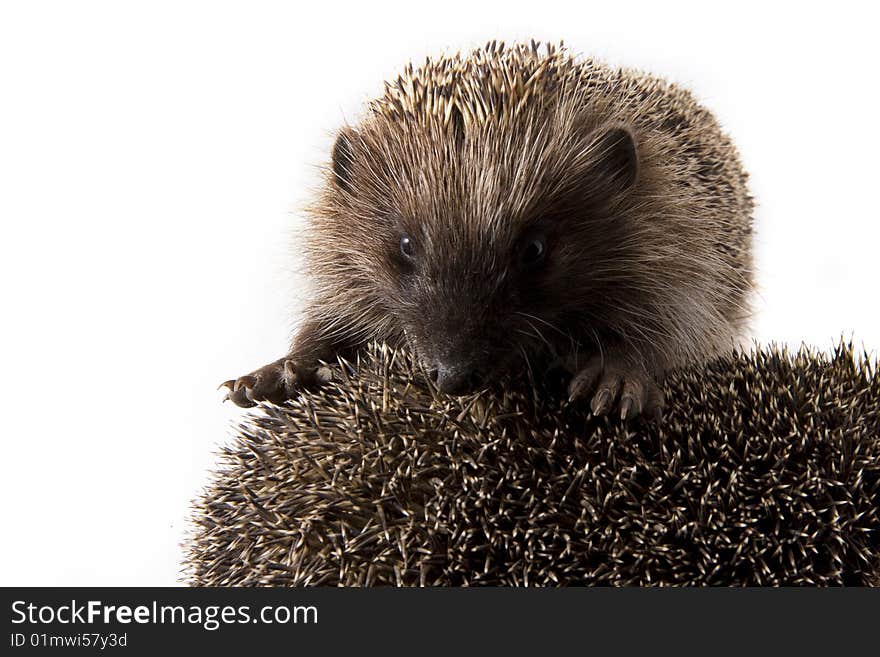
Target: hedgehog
[
  {"x": 765, "y": 471},
  {"x": 521, "y": 208}
]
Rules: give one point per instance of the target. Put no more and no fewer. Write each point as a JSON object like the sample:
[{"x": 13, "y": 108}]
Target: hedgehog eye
[
  {"x": 406, "y": 247},
  {"x": 534, "y": 252}
]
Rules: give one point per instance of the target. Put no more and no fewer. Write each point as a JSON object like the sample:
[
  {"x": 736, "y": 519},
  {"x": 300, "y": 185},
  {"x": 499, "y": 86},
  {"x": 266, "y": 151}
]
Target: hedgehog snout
[{"x": 456, "y": 378}]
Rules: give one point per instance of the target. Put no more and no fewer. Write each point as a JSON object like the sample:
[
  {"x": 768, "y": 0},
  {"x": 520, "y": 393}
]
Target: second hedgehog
[{"x": 520, "y": 208}]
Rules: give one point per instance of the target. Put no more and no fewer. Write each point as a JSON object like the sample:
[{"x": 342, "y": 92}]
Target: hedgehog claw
[
  {"x": 275, "y": 382},
  {"x": 240, "y": 398},
  {"x": 601, "y": 403},
  {"x": 248, "y": 381},
  {"x": 630, "y": 388},
  {"x": 627, "y": 410},
  {"x": 584, "y": 380}
]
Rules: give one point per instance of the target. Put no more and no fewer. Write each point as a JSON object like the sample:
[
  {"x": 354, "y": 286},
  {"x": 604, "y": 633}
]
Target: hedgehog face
[
  {"x": 465, "y": 310},
  {"x": 464, "y": 240}
]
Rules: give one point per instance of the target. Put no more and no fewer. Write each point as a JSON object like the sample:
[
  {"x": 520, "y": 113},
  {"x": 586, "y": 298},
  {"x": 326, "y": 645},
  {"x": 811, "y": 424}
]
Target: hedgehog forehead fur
[{"x": 504, "y": 131}]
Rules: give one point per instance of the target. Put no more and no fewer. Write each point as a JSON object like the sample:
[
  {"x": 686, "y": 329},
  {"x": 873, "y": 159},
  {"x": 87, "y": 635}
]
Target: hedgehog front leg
[
  {"x": 282, "y": 379},
  {"x": 613, "y": 380}
]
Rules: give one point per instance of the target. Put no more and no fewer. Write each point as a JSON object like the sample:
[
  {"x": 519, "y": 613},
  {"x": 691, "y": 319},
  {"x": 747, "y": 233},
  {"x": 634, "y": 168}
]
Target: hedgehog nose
[{"x": 456, "y": 379}]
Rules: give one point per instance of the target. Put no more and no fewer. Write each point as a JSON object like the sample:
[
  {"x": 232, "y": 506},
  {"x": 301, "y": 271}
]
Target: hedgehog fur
[{"x": 765, "y": 471}]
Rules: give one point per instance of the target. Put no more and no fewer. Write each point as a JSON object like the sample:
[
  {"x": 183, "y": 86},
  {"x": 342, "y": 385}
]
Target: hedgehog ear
[
  {"x": 343, "y": 159},
  {"x": 614, "y": 158}
]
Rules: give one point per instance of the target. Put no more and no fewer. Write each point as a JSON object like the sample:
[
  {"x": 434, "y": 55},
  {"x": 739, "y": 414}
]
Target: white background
[{"x": 152, "y": 159}]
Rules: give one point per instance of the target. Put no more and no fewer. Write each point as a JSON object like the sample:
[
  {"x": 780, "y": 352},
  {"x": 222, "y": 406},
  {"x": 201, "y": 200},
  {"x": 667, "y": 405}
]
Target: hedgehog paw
[
  {"x": 617, "y": 388},
  {"x": 275, "y": 382}
]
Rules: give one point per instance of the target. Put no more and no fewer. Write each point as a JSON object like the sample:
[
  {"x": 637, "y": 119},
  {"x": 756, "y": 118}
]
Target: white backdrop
[{"x": 152, "y": 159}]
